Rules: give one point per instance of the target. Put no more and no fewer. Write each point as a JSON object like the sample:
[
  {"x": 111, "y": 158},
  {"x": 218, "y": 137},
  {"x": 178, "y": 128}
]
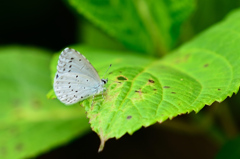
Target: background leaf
[
  {"x": 30, "y": 123},
  {"x": 146, "y": 26},
  {"x": 230, "y": 150}
]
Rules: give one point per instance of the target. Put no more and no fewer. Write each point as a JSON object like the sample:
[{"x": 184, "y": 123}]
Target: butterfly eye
[{"x": 104, "y": 81}]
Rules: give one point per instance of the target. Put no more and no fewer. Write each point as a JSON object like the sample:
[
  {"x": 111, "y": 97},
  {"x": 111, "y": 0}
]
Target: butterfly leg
[
  {"x": 103, "y": 92},
  {"x": 102, "y": 95}
]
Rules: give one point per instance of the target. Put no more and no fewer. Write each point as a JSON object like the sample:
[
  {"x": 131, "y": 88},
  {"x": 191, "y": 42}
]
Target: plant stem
[{"x": 151, "y": 27}]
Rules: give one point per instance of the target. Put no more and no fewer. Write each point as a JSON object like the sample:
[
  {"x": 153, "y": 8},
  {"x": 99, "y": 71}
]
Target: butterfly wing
[
  {"x": 71, "y": 61},
  {"x": 76, "y": 79},
  {"x": 71, "y": 88}
]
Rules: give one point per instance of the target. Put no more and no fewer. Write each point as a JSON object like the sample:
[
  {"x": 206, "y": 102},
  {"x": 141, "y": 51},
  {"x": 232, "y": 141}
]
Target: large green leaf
[
  {"x": 30, "y": 123},
  {"x": 142, "y": 25},
  {"x": 153, "y": 90}
]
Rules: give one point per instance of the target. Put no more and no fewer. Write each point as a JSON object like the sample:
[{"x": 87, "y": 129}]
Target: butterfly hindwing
[{"x": 71, "y": 88}]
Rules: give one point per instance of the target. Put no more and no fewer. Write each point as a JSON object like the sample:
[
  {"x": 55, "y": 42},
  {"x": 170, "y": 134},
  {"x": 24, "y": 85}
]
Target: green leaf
[
  {"x": 230, "y": 150},
  {"x": 151, "y": 90},
  {"x": 30, "y": 123},
  {"x": 142, "y": 25}
]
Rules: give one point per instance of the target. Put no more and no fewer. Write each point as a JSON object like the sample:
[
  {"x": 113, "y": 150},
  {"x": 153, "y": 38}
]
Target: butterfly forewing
[{"x": 71, "y": 61}]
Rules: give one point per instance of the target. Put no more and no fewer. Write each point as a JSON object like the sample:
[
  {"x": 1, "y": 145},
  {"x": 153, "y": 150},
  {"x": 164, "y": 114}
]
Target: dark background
[{"x": 42, "y": 23}]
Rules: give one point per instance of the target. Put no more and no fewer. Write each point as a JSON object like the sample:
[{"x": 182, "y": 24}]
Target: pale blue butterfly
[{"x": 76, "y": 79}]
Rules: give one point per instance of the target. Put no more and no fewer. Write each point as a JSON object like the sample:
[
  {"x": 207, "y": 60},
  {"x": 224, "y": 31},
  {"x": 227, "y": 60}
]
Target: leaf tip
[
  {"x": 102, "y": 141},
  {"x": 101, "y": 146}
]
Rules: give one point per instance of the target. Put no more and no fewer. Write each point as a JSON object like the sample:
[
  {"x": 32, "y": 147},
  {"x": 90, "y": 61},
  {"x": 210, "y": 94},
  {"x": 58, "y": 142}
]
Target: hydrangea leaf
[{"x": 142, "y": 90}]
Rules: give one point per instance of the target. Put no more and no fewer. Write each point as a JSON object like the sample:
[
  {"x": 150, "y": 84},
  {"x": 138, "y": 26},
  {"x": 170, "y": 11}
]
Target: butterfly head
[{"x": 104, "y": 81}]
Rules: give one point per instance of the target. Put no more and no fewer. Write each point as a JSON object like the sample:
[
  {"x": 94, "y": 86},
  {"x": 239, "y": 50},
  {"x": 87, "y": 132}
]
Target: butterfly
[{"x": 76, "y": 79}]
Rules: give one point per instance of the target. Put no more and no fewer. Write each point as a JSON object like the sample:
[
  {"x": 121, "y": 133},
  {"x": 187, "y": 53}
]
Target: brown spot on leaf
[
  {"x": 173, "y": 92},
  {"x": 110, "y": 73},
  {"x": 206, "y": 65},
  {"x": 129, "y": 117},
  {"x": 139, "y": 92},
  {"x": 151, "y": 81},
  {"x": 219, "y": 89},
  {"x": 19, "y": 147},
  {"x": 36, "y": 104},
  {"x": 122, "y": 78},
  {"x": 166, "y": 87},
  {"x": 154, "y": 89}
]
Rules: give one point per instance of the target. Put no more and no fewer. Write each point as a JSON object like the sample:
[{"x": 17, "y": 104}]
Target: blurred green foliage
[{"x": 29, "y": 122}]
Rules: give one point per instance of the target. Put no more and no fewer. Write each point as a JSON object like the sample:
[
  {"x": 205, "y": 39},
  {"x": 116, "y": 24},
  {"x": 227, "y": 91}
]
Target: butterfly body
[{"x": 76, "y": 79}]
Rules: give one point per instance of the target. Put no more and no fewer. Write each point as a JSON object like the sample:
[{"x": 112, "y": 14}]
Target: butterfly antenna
[{"x": 107, "y": 70}]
